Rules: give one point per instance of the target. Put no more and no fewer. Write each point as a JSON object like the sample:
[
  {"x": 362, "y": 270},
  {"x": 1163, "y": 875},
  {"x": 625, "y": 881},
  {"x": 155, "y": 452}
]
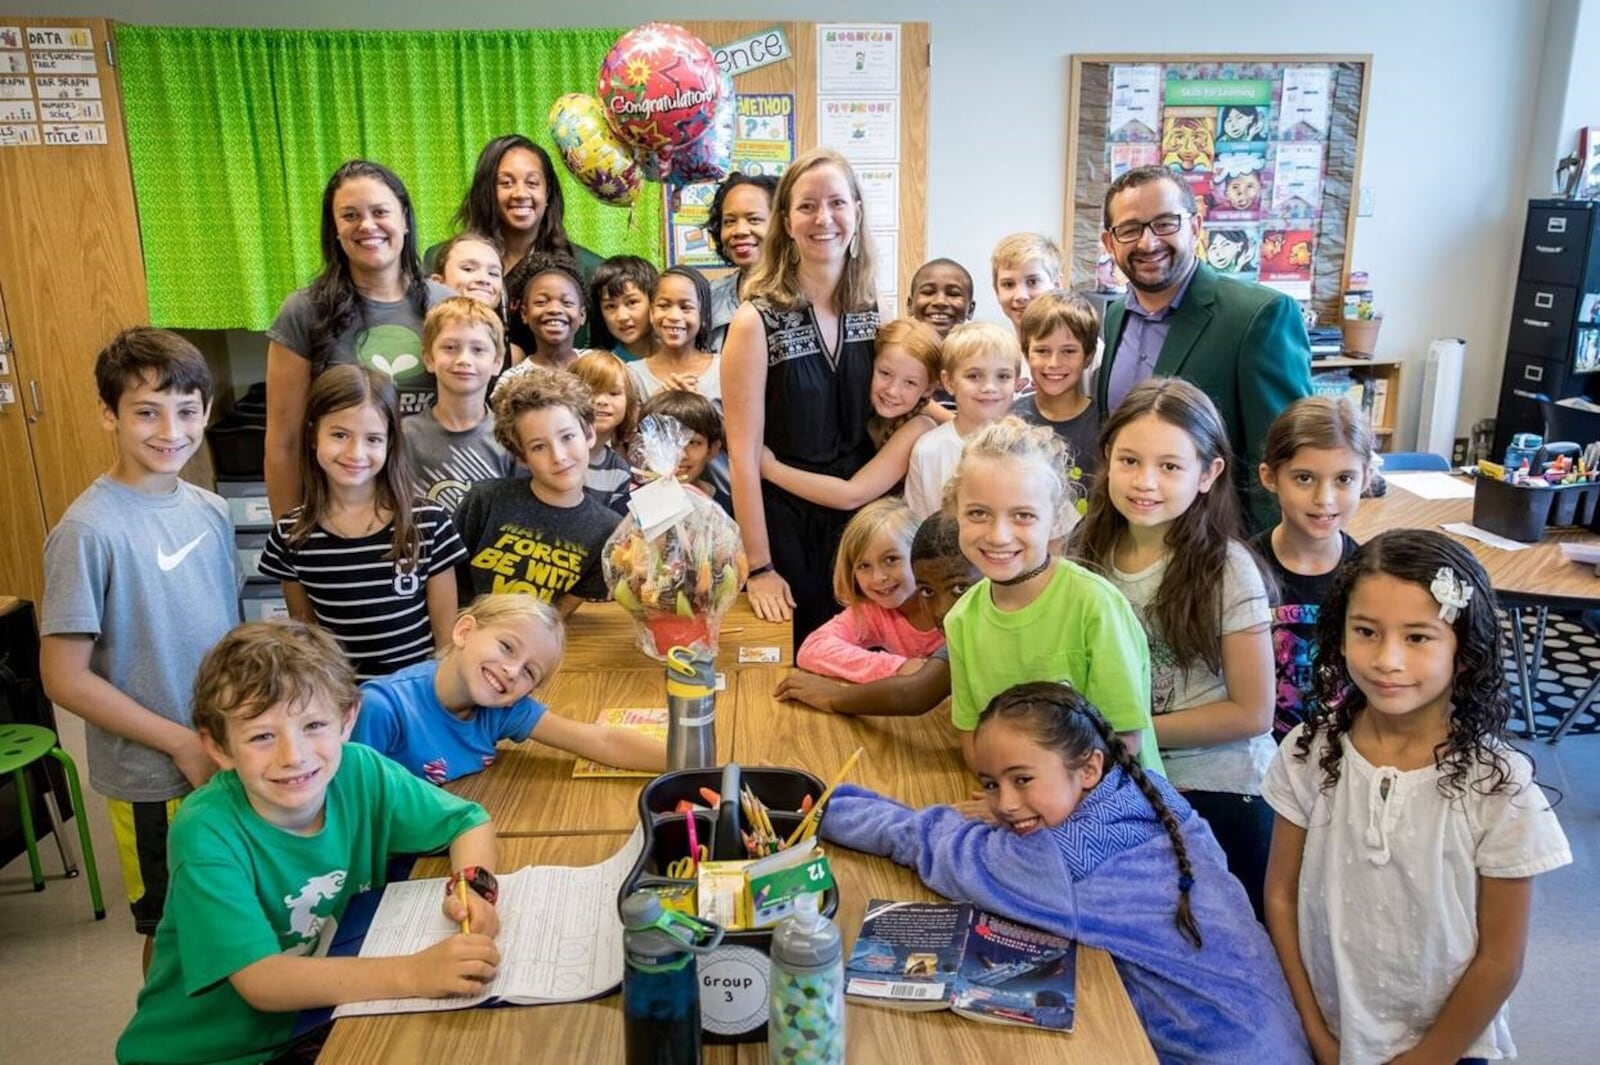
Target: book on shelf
[
  {"x": 1380, "y": 402},
  {"x": 927, "y": 956}
]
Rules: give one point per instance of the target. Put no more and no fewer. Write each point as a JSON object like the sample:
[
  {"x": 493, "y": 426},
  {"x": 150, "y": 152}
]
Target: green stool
[{"x": 20, "y": 747}]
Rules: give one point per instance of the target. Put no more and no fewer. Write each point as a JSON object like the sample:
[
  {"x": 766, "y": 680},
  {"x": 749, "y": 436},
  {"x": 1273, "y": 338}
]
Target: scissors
[{"x": 684, "y": 868}]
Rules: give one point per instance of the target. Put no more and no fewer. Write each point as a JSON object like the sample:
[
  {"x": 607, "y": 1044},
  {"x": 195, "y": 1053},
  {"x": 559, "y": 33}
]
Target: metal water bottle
[
  {"x": 805, "y": 1015},
  {"x": 660, "y": 988},
  {"x": 691, "y": 710}
]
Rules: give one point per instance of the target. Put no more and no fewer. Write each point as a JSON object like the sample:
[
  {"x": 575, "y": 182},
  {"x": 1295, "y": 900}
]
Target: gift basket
[{"x": 675, "y": 562}]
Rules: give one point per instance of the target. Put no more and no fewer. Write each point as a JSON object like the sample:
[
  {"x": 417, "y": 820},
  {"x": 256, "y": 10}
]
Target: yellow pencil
[
  {"x": 805, "y": 828},
  {"x": 461, "y": 893}
]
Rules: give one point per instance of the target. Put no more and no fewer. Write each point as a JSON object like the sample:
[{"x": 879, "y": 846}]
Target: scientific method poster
[{"x": 763, "y": 143}]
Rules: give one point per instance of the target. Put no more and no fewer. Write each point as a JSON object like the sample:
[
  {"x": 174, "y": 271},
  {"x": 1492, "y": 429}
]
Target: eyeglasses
[{"x": 1162, "y": 225}]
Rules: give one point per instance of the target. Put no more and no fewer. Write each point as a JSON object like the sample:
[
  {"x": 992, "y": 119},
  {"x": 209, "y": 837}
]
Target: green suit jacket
[{"x": 1243, "y": 345}]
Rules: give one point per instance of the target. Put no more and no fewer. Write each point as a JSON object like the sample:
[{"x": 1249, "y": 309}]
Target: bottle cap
[{"x": 807, "y": 939}]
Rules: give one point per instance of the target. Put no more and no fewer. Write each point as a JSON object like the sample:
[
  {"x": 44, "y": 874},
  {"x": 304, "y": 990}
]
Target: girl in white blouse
[{"x": 1408, "y": 831}]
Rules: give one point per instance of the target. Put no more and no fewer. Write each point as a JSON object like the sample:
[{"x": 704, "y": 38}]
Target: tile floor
[{"x": 70, "y": 981}]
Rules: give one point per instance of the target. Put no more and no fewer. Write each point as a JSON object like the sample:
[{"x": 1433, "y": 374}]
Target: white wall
[{"x": 1450, "y": 132}]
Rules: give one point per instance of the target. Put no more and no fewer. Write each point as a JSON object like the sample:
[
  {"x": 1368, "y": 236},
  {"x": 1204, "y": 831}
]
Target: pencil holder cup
[{"x": 734, "y": 976}]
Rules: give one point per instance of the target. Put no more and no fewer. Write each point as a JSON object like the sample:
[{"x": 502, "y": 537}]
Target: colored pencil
[
  {"x": 461, "y": 893},
  {"x": 806, "y": 828}
]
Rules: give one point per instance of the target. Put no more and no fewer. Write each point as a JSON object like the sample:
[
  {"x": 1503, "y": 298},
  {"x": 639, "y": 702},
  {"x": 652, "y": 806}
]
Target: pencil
[
  {"x": 461, "y": 893},
  {"x": 805, "y": 828}
]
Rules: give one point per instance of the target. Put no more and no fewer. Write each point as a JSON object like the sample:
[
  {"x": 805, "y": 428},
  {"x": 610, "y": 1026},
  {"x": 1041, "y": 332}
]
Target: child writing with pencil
[
  {"x": 267, "y": 856},
  {"x": 441, "y": 719}
]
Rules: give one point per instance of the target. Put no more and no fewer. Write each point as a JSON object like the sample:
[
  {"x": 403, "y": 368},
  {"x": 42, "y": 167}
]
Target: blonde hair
[
  {"x": 1013, "y": 439},
  {"x": 263, "y": 664},
  {"x": 971, "y": 339},
  {"x": 887, "y": 515},
  {"x": 1325, "y": 423},
  {"x": 1061, "y": 310},
  {"x": 776, "y": 278},
  {"x": 462, "y": 310},
  {"x": 1018, "y": 248},
  {"x": 504, "y": 609},
  {"x": 602, "y": 371},
  {"x": 534, "y": 387}
]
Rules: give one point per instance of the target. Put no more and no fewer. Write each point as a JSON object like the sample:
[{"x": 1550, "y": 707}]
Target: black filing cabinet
[{"x": 1555, "y": 316}]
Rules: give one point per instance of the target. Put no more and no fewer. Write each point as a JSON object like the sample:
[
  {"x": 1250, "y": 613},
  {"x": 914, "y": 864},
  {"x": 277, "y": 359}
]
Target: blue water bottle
[{"x": 660, "y": 989}]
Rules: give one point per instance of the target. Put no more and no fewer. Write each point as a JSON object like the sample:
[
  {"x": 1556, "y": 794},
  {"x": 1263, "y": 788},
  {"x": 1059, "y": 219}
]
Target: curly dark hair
[
  {"x": 765, "y": 182},
  {"x": 1060, "y": 719},
  {"x": 1480, "y": 701}
]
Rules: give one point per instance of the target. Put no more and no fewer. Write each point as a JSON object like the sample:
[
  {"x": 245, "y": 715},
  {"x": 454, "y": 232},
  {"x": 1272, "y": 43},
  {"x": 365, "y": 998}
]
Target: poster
[
  {"x": 861, "y": 130},
  {"x": 1303, "y": 109},
  {"x": 858, "y": 60},
  {"x": 1188, "y": 139},
  {"x": 1234, "y": 250},
  {"x": 880, "y": 194},
  {"x": 1135, "y": 103},
  {"x": 886, "y": 269},
  {"x": 763, "y": 143},
  {"x": 1286, "y": 257},
  {"x": 1123, "y": 157},
  {"x": 1239, "y": 178},
  {"x": 1297, "y": 180}
]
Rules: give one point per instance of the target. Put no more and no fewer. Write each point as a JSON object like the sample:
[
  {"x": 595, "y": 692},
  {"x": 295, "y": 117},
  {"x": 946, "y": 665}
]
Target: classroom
[{"x": 1054, "y": 303}]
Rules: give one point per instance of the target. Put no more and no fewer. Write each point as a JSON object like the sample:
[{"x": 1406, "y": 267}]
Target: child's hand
[
  {"x": 456, "y": 965},
  {"x": 193, "y": 761},
  {"x": 769, "y": 462},
  {"x": 684, "y": 382},
  {"x": 479, "y": 913},
  {"x": 976, "y": 808},
  {"x": 808, "y": 688},
  {"x": 1324, "y": 1047}
]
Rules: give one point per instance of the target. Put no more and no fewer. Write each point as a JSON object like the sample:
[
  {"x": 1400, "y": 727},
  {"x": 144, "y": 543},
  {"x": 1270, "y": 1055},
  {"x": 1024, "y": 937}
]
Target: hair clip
[
  {"x": 1185, "y": 883},
  {"x": 1450, "y": 592}
]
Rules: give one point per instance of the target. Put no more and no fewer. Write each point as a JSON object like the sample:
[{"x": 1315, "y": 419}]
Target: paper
[
  {"x": 75, "y": 133},
  {"x": 18, "y": 135},
  {"x": 1304, "y": 108},
  {"x": 1135, "y": 102},
  {"x": 854, "y": 59},
  {"x": 560, "y": 937},
  {"x": 649, "y": 722},
  {"x": 886, "y": 259},
  {"x": 68, "y": 87},
  {"x": 1585, "y": 553},
  {"x": 860, "y": 129},
  {"x": 13, "y": 63},
  {"x": 758, "y": 655},
  {"x": 880, "y": 195},
  {"x": 76, "y": 38},
  {"x": 13, "y": 88},
  {"x": 1483, "y": 536},
  {"x": 1432, "y": 485},
  {"x": 63, "y": 62},
  {"x": 657, "y": 505},
  {"x": 1297, "y": 180}
]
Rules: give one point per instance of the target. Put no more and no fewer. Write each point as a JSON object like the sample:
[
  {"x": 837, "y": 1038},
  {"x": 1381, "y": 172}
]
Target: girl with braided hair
[
  {"x": 1408, "y": 830},
  {"x": 1088, "y": 845}
]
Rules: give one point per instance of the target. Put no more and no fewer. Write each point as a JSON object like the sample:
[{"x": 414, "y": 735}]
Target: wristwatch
[
  {"x": 478, "y": 879},
  {"x": 765, "y": 567}
]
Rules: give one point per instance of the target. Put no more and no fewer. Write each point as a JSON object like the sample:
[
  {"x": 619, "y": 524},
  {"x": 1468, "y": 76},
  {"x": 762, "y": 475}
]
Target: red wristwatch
[{"x": 479, "y": 879}]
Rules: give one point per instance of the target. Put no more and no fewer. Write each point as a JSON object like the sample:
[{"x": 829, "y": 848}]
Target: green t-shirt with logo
[
  {"x": 386, "y": 336},
  {"x": 243, "y": 890}
]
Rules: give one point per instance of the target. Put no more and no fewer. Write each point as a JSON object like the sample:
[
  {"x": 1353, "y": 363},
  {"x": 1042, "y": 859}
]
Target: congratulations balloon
[
  {"x": 593, "y": 155},
  {"x": 660, "y": 86},
  {"x": 710, "y": 157}
]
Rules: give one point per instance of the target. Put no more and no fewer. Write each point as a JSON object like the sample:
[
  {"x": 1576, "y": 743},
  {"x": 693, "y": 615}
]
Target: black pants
[
  {"x": 803, "y": 538},
  {"x": 1243, "y": 827}
]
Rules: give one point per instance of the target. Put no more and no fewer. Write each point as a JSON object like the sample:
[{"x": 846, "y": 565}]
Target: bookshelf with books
[{"x": 1373, "y": 385}]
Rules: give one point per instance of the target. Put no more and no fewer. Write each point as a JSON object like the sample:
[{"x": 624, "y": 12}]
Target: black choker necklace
[{"x": 1023, "y": 578}]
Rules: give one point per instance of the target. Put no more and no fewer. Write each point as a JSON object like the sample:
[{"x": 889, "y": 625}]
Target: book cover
[
  {"x": 907, "y": 953},
  {"x": 1014, "y": 974},
  {"x": 651, "y": 722}
]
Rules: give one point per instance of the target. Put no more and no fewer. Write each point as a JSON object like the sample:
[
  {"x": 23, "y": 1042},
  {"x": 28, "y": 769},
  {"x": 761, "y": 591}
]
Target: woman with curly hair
[
  {"x": 1408, "y": 830},
  {"x": 740, "y": 213}
]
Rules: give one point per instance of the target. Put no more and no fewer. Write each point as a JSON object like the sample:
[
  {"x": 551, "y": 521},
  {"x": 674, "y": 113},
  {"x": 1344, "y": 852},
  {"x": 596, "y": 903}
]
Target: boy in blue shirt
[
  {"x": 266, "y": 857},
  {"x": 140, "y": 579}
]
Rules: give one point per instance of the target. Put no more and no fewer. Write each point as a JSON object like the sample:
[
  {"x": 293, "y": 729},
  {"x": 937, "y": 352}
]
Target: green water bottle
[{"x": 805, "y": 1015}]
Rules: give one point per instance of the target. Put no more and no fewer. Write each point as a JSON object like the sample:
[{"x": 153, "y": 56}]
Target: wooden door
[
  {"x": 21, "y": 516},
  {"x": 71, "y": 269}
]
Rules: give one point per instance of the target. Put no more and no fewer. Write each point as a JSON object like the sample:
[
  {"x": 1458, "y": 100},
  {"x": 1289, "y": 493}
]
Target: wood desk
[
  {"x": 600, "y": 636},
  {"x": 1106, "y": 1030},
  {"x": 530, "y": 788}
]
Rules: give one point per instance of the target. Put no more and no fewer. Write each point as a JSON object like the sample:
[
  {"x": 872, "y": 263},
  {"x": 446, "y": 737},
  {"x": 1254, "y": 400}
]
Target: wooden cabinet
[
  {"x": 71, "y": 277},
  {"x": 1373, "y": 385}
]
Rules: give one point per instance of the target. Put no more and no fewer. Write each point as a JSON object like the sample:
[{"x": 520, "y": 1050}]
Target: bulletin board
[
  {"x": 858, "y": 87},
  {"x": 1269, "y": 145}
]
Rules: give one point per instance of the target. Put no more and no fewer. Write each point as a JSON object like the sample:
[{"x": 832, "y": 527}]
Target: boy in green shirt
[{"x": 266, "y": 857}]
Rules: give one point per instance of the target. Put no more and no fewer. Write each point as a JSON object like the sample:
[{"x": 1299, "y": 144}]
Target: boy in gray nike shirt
[{"x": 140, "y": 581}]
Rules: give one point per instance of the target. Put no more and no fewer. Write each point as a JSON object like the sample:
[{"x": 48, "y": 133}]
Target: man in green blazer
[{"x": 1244, "y": 345}]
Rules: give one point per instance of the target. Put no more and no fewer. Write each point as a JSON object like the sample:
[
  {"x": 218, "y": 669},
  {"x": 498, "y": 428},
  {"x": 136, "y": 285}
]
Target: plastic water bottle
[
  {"x": 805, "y": 1016},
  {"x": 691, "y": 710},
  {"x": 660, "y": 989}
]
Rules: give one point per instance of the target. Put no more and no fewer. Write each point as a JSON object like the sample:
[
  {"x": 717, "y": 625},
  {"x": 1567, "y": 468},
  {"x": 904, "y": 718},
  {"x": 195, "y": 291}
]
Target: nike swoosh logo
[{"x": 170, "y": 562}]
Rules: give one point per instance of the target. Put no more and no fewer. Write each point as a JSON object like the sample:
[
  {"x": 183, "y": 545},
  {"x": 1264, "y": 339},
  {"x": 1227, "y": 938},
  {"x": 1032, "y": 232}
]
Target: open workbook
[
  {"x": 560, "y": 938},
  {"x": 950, "y": 955}
]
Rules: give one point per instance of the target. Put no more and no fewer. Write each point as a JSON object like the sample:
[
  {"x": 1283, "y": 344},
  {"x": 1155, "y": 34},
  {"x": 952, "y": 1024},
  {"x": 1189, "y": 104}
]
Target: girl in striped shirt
[{"x": 360, "y": 556}]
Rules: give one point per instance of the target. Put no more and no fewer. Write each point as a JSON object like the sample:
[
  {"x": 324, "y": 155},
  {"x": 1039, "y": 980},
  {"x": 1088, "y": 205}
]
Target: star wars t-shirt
[{"x": 516, "y": 543}]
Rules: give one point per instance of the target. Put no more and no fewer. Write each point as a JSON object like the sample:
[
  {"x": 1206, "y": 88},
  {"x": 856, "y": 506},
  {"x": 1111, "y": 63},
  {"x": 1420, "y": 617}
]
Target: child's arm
[
  {"x": 72, "y": 685},
  {"x": 474, "y": 847},
  {"x": 1282, "y": 906},
  {"x": 879, "y": 476},
  {"x": 1503, "y": 911},
  {"x": 902, "y": 695},
  {"x": 610, "y": 745},
  {"x": 835, "y": 650},
  {"x": 1247, "y": 671},
  {"x": 298, "y": 602},
  {"x": 568, "y": 605},
  {"x": 441, "y": 596},
  {"x": 920, "y": 495}
]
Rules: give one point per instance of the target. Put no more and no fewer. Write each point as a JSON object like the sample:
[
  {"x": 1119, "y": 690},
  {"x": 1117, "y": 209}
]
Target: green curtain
[{"x": 232, "y": 134}]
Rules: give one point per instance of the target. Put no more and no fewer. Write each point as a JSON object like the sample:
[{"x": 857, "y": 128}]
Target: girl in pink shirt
[{"x": 885, "y": 627}]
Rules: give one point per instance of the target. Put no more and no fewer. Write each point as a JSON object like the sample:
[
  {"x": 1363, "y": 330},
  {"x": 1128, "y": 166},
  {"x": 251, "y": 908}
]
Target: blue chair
[{"x": 1414, "y": 462}]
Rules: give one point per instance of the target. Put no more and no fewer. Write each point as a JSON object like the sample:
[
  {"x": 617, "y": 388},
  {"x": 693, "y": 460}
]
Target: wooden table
[
  {"x": 600, "y": 636},
  {"x": 1539, "y": 577},
  {"x": 1106, "y": 1030}
]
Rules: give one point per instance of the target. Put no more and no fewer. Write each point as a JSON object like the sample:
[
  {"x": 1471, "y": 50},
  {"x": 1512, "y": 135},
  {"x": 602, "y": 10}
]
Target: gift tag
[
  {"x": 722, "y": 682},
  {"x": 659, "y": 504},
  {"x": 758, "y": 655}
]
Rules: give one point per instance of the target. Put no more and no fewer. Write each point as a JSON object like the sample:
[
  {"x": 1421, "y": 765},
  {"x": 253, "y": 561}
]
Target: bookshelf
[{"x": 1373, "y": 385}]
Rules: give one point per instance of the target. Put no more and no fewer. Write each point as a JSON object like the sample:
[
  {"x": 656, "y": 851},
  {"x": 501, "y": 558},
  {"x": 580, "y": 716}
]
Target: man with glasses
[{"x": 1242, "y": 344}]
